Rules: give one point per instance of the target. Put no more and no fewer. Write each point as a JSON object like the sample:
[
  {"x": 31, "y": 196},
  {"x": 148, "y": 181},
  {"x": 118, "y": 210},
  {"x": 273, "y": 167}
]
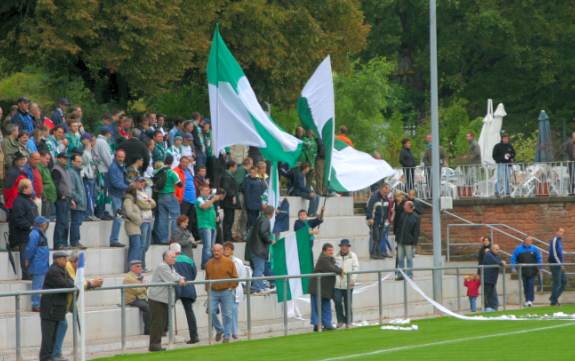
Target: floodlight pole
[{"x": 435, "y": 165}]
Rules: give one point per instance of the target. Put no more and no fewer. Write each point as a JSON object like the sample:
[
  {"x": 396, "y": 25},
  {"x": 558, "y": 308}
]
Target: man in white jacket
[
  {"x": 348, "y": 261},
  {"x": 243, "y": 272}
]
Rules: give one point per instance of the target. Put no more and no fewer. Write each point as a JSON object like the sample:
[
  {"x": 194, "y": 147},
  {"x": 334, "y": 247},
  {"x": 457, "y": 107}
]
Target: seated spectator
[
  {"x": 36, "y": 257},
  {"x": 137, "y": 297},
  {"x": 300, "y": 188},
  {"x": 183, "y": 237}
]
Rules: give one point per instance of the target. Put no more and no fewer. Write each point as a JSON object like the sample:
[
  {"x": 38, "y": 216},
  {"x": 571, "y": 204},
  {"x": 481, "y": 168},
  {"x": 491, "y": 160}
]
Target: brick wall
[{"x": 538, "y": 217}]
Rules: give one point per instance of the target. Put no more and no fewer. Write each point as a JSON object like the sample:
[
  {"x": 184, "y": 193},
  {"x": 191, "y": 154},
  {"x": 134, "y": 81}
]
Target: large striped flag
[
  {"x": 346, "y": 169},
  {"x": 292, "y": 256},
  {"x": 81, "y": 304},
  {"x": 236, "y": 115}
]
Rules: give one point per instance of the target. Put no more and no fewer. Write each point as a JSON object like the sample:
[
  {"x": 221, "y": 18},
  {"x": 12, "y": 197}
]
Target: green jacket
[
  {"x": 309, "y": 151},
  {"x": 48, "y": 183}
]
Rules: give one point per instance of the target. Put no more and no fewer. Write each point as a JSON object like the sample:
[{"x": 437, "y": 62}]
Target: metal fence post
[
  {"x": 520, "y": 288},
  {"x": 448, "y": 250},
  {"x": 171, "y": 309},
  {"x": 18, "y": 330},
  {"x": 210, "y": 321},
  {"x": 74, "y": 325},
  {"x": 348, "y": 319},
  {"x": 380, "y": 298},
  {"x": 405, "y": 311},
  {"x": 458, "y": 289},
  {"x": 483, "y": 300},
  {"x": 318, "y": 304},
  {"x": 123, "y": 318},
  {"x": 249, "y": 308},
  {"x": 285, "y": 290},
  {"x": 504, "y": 285}
]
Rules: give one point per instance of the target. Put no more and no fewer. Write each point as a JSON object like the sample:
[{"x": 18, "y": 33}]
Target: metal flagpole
[{"x": 435, "y": 165}]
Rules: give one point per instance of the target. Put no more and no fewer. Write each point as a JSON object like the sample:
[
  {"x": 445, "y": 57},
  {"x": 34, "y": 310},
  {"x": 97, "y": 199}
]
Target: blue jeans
[
  {"x": 259, "y": 266},
  {"x": 473, "y": 304},
  {"x": 62, "y": 226},
  {"x": 117, "y": 223},
  {"x": 235, "y": 311},
  {"x": 208, "y": 237},
  {"x": 37, "y": 284},
  {"x": 60, "y": 335},
  {"x": 168, "y": 211},
  {"x": 325, "y": 311},
  {"x": 528, "y": 288},
  {"x": 222, "y": 300},
  {"x": 405, "y": 255},
  {"x": 559, "y": 283},
  {"x": 76, "y": 219},
  {"x": 503, "y": 172},
  {"x": 313, "y": 204},
  {"x": 146, "y": 229},
  {"x": 90, "y": 188},
  {"x": 135, "y": 248},
  {"x": 384, "y": 244}
]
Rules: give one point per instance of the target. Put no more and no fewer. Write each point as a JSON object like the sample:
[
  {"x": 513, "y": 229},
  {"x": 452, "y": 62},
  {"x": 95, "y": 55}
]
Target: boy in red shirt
[{"x": 472, "y": 282}]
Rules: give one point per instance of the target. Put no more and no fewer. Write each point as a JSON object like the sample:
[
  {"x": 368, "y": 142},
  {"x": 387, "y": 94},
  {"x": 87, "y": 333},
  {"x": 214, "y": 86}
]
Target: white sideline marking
[{"x": 441, "y": 343}]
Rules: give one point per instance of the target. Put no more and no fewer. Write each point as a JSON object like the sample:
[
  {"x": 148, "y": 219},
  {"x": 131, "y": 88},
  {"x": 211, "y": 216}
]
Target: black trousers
[
  {"x": 145, "y": 309},
  {"x": 228, "y": 223},
  {"x": 252, "y": 217},
  {"x": 190, "y": 317},
  {"x": 48, "y": 328},
  {"x": 188, "y": 209},
  {"x": 158, "y": 322}
]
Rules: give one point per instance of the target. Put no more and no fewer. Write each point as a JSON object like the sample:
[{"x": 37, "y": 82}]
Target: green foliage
[
  {"x": 31, "y": 84},
  {"x": 180, "y": 101},
  {"x": 392, "y": 134},
  {"x": 460, "y": 145},
  {"x": 525, "y": 146}
]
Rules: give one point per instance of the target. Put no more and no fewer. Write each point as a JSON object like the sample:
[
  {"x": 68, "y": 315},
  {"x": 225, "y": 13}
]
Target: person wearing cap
[
  {"x": 117, "y": 186},
  {"x": 168, "y": 206},
  {"x": 176, "y": 150},
  {"x": 36, "y": 257},
  {"x": 57, "y": 141},
  {"x": 22, "y": 117},
  {"x": 137, "y": 297},
  {"x": 88, "y": 174},
  {"x": 10, "y": 145},
  {"x": 187, "y": 145},
  {"x": 63, "y": 183},
  {"x": 53, "y": 306},
  {"x": 343, "y": 292},
  {"x": 504, "y": 156},
  {"x": 59, "y": 114},
  {"x": 14, "y": 175}
]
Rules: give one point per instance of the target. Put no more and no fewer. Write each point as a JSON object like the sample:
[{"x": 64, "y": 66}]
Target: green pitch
[{"x": 441, "y": 339}]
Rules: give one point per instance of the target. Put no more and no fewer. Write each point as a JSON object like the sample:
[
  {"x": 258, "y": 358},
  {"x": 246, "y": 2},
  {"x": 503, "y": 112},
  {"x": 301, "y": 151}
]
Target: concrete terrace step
[{"x": 334, "y": 206}]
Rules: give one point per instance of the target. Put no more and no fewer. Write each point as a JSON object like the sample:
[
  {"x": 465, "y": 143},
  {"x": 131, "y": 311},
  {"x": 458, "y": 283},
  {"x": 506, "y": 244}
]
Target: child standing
[{"x": 472, "y": 282}]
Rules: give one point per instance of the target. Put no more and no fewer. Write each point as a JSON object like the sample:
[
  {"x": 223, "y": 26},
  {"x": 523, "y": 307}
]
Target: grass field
[{"x": 444, "y": 339}]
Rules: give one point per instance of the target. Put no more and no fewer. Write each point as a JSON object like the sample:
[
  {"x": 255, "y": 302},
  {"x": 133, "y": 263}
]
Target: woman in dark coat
[{"x": 21, "y": 220}]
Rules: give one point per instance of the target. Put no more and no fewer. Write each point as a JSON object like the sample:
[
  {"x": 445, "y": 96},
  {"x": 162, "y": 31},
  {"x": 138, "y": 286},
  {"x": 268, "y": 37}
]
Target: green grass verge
[{"x": 445, "y": 339}]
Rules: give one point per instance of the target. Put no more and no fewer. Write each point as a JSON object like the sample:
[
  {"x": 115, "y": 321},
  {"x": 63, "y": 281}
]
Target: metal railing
[
  {"x": 554, "y": 179},
  {"x": 283, "y": 280}
]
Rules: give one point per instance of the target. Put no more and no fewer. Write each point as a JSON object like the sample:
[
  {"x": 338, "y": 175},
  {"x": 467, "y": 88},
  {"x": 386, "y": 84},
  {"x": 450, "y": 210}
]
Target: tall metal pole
[{"x": 435, "y": 165}]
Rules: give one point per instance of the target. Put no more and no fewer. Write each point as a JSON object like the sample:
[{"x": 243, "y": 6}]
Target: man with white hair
[{"x": 159, "y": 298}]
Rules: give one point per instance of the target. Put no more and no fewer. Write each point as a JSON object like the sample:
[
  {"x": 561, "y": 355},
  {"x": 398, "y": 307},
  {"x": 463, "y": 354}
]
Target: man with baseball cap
[
  {"x": 137, "y": 297},
  {"x": 22, "y": 117},
  {"x": 504, "y": 156},
  {"x": 343, "y": 292}
]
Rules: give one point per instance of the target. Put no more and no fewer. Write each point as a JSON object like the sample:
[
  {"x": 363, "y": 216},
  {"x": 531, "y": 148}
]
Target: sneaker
[
  {"x": 193, "y": 340},
  {"x": 315, "y": 329},
  {"x": 340, "y": 325},
  {"x": 117, "y": 245},
  {"x": 36, "y": 309},
  {"x": 235, "y": 337},
  {"x": 219, "y": 336},
  {"x": 106, "y": 217},
  {"x": 79, "y": 246}
]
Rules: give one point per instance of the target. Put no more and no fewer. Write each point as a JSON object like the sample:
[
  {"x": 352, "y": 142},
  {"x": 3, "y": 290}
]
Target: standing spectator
[
  {"x": 343, "y": 136},
  {"x": 103, "y": 158},
  {"x": 137, "y": 297},
  {"x": 186, "y": 267},
  {"x": 133, "y": 170},
  {"x": 398, "y": 203},
  {"x": 159, "y": 298},
  {"x": 14, "y": 176},
  {"x": 117, "y": 186},
  {"x": 325, "y": 264},
  {"x": 407, "y": 161},
  {"x": 135, "y": 149},
  {"x": 88, "y": 174},
  {"x": 146, "y": 204},
  {"x": 187, "y": 145},
  {"x": 176, "y": 150},
  {"x": 221, "y": 294},
  {"x": 207, "y": 218},
  {"x": 473, "y": 155},
  {"x": 59, "y": 114},
  {"x": 64, "y": 195},
  {"x": 300, "y": 188},
  {"x": 239, "y": 294},
  {"x": 78, "y": 202},
  {"x": 408, "y": 238},
  {"x": 472, "y": 283},
  {"x": 49, "y": 195},
  {"x": 165, "y": 182},
  {"x": 23, "y": 139},
  {"x": 527, "y": 253},
  {"x": 132, "y": 222},
  {"x": 258, "y": 243},
  {"x": 490, "y": 277},
  {"x": 240, "y": 218},
  {"x": 485, "y": 245},
  {"x": 343, "y": 292},
  {"x": 22, "y": 117},
  {"x": 20, "y": 221},
  {"x": 557, "y": 269},
  {"x": 10, "y": 145},
  {"x": 186, "y": 194},
  {"x": 503, "y": 155},
  {"x": 570, "y": 158},
  {"x": 53, "y": 305},
  {"x": 183, "y": 237},
  {"x": 36, "y": 258},
  {"x": 159, "y": 153},
  {"x": 33, "y": 173},
  {"x": 39, "y": 119},
  {"x": 73, "y": 136},
  {"x": 313, "y": 224},
  {"x": 57, "y": 141},
  {"x": 175, "y": 131},
  {"x": 412, "y": 196},
  {"x": 230, "y": 201},
  {"x": 380, "y": 214}
]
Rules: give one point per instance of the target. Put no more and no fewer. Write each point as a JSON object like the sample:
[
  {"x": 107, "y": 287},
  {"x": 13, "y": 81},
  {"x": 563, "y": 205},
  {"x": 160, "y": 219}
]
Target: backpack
[{"x": 160, "y": 179}]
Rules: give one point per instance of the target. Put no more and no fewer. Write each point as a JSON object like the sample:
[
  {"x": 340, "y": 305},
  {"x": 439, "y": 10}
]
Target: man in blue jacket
[
  {"x": 557, "y": 269},
  {"x": 117, "y": 186},
  {"x": 490, "y": 275},
  {"x": 527, "y": 253},
  {"x": 37, "y": 257},
  {"x": 22, "y": 117}
]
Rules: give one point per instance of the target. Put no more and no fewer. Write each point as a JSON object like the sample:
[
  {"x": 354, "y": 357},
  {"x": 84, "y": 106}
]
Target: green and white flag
[
  {"x": 292, "y": 256},
  {"x": 236, "y": 115},
  {"x": 346, "y": 169}
]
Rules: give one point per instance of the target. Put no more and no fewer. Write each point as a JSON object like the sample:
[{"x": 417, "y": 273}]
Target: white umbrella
[{"x": 490, "y": 132}]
